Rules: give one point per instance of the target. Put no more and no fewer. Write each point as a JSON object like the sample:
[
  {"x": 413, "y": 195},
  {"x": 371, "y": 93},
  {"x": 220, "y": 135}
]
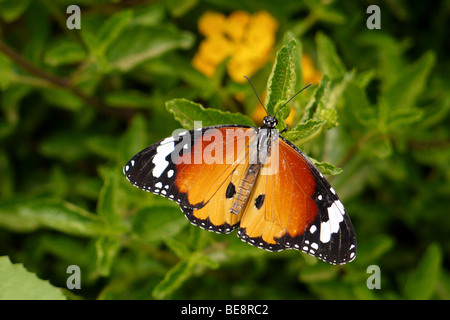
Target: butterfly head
[{"x": 270, "y": 122}]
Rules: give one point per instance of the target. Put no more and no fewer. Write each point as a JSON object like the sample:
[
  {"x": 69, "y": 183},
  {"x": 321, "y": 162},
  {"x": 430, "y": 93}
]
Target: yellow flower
[
  {"x": 247, "y": 39},
  {"x": 215, "y": 49},
  {"x": 204, "y": 66},
  {"x": 236, "y": 24},
  {"x": 211, "y": 23}
]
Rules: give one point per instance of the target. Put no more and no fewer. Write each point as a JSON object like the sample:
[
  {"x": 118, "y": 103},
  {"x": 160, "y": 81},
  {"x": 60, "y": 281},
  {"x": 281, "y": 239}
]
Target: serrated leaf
[
  {"x": 327, "y": 168},
  {"x": 282, "y": 80},
  {"x": 329, "y": 61},
  {"x": 29, "y": 215},
  {"x": 421, "y": 283},
  {"x": 16, "y": 283},
  {"x": 304, "y": 130},
  {"x": 318, "y": 95},
  {"x": 186, "y": 112}
]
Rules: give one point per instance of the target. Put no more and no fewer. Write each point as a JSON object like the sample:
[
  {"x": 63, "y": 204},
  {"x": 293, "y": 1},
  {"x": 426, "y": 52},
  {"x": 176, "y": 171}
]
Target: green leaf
[
  {"x": 151, "y": 15},
  {"x": 138, "y": 44},
  {"x": 305, "y": 130},
  {"x": 318, "y": 272},
  {"x": 16, "y": 283},
  {"x": 358, "y": 107},
  {"x": 402, "y": 117},
  {"x": 329, "y": 61},
  {"x": 186, "y": 112},
  {"x": 107, "y": 199},
  {"x": 328, "y": 104},
  {"x": 157, "y": 222},
  {"x": 325, "y": 12},
  {"x": 66, "y": 146},
  {"x": 327, "y": 168},
  {"x": 281, "y": 84},
  {"x": 30, "y": 215},
  {"x": 7, "y": 72},
  {"x": 318, "y": 95},
  {"x": 128, "y": 98},
  {"x": 64, "y": 52},
  {"x": 404, "y": 90},
  {"x": 174, "y": 279},
  {"x": 10, "y": 10},
  {"x": 106, "y": 249},
  {"x": 100, "y": 38},
  {"x": 112, "y": 29},
  {"x": 178, "y": 8},
  {"x": 135, "y": 138},
  {"x": 180, "y": 248},
  {"x": 380, "y": 147},
  {"x": 369, "y": 251},
  {"x": 421, "y": 283}
]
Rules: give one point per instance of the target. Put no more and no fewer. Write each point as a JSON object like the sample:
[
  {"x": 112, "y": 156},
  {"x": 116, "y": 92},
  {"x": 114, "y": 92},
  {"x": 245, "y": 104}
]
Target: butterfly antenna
[
  {"x": 291, "y": 99},
  {"x": 256, "y": 93}
]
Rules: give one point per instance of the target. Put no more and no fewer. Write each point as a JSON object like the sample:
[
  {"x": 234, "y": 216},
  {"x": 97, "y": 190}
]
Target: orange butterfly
[{"x": 232, "y": 176}]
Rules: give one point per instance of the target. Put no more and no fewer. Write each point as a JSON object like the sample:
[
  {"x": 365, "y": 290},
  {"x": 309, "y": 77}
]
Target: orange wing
[
  {"x": 296, "y": 208},
  {"x": 199, "y": 169},
  {"x": 209, "y": 186}
]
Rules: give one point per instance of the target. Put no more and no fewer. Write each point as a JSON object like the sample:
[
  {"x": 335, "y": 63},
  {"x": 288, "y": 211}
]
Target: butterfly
[{"x": 229, "y": 177}]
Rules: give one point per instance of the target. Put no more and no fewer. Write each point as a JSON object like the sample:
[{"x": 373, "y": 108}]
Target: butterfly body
[{"x": 230, "y": 176}]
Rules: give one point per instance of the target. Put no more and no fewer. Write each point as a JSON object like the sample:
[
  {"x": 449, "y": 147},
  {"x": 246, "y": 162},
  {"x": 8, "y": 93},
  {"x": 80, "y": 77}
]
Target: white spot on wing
[
  {"x": 166, "y": 148},
  {"x": 335, "y": 217}
]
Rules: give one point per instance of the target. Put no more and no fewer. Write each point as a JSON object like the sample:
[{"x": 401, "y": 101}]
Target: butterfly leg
[{"x": 285, "y": 129}]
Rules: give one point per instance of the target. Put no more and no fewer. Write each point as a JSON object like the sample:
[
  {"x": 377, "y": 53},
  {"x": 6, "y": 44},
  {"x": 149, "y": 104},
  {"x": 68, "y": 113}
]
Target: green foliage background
[{"x": 77, "y": 104}]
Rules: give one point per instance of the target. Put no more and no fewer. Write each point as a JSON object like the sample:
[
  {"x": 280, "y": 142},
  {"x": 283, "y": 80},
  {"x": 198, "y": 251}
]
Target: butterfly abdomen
[{"x": 245, "y": 188}]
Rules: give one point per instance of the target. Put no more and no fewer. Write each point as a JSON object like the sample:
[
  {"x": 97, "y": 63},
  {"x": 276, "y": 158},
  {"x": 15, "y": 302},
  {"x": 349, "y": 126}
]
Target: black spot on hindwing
[
  {"x": 231, "y": 191},
  {"x": 259, "y": 201}
]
